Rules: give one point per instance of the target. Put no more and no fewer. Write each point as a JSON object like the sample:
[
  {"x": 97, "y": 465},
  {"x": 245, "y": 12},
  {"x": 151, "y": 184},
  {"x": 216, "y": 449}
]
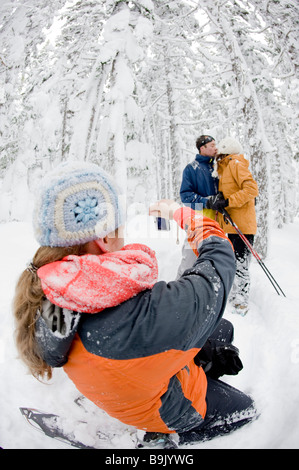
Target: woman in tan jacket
[{"x": 239, "y": 191}]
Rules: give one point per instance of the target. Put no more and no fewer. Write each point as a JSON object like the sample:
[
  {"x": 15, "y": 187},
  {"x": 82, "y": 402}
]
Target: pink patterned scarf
[{"x": 91, "y": 283}]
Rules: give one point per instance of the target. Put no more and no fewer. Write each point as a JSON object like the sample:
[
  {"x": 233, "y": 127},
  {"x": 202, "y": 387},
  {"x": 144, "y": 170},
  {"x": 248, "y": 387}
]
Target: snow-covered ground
[{"x": 268, "y": 339}]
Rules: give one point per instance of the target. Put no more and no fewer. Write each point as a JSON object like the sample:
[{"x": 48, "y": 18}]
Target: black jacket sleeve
[{"x": 189, "y": 309}]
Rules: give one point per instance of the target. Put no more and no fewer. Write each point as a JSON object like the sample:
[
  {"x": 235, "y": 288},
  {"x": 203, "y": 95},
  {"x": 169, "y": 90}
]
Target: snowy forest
[{"x": 130, "y": 85}]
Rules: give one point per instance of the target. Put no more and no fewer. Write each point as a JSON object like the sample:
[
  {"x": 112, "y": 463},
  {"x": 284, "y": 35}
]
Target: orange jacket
[
  {"x": 238, "y": 186},
  {"x": 134, "y": 390}
]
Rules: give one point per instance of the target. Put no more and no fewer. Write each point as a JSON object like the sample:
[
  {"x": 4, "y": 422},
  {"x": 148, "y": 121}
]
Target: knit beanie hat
[
  {"x": 229, "y": 146},
  {"x": 76, "y": 203}
]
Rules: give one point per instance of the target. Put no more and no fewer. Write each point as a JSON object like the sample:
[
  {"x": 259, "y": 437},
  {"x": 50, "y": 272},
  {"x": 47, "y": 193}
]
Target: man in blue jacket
[{"x": 198, "y": 183}]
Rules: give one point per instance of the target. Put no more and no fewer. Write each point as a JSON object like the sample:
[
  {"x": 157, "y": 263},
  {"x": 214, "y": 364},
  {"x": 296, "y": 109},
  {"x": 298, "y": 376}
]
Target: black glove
[
  {"x": 217, "y": 202},
  {"x": 218, "y": 358}
]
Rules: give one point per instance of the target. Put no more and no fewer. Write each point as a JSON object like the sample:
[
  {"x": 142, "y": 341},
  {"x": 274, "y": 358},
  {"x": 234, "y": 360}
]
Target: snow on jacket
[
  {"x": 198, "y": 183},
  {"x": 135, "y": 357},
  {"x": 238, "y": 186}
]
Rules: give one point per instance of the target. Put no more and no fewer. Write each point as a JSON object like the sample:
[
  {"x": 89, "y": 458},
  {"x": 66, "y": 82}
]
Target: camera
[{"x": 162, "y": 224}]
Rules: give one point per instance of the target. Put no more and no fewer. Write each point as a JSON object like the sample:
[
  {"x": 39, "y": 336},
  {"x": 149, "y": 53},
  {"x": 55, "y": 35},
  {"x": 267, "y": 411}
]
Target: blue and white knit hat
[{"x": 76, "y": 203}]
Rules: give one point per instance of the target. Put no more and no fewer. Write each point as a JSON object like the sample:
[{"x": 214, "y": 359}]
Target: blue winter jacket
[{"x": 198, "y": 182}]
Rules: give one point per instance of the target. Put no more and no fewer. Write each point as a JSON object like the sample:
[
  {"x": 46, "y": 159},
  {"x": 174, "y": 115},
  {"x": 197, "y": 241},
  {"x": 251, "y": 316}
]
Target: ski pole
[{"x": 255, "y": 254}]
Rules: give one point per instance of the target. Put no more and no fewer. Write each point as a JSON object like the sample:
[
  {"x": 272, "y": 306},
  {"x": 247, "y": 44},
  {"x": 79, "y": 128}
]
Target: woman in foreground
[{"x": 148, "y": 353}]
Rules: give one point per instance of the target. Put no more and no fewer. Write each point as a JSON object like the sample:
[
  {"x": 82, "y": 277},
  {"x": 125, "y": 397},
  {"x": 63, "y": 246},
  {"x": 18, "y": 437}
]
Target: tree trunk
[{"x": 253, "y": 130}]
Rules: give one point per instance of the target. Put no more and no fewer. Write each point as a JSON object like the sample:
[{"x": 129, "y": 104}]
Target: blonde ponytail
[{"x": 27, "y": 301}]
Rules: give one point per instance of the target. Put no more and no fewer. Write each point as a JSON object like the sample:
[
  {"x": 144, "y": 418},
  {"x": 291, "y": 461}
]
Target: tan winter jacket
[{"x": 238, "y": 186}]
